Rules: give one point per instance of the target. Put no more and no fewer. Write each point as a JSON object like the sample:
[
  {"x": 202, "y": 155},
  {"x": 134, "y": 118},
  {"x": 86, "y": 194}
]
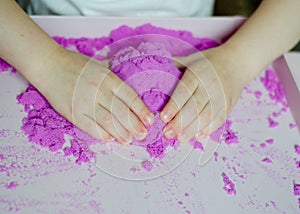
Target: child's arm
[
  {"x": 81, "y": 97},
  {"x": 212, "y": 84}
]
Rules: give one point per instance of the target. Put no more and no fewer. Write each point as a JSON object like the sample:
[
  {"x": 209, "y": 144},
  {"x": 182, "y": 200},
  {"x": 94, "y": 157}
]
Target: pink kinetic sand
[
  {"x": 276, "y": 93},
  {"x": 225, "y": 133},
  {"x": 298, "y": 164},
  {"x": 292, "y": 125},
  {"x": 12, "y": 185},
  {"x": 296, "y": 189},
  {"x": 269, "y": 141},
  {"x": 297, "y": 149},
  {"x": 267, "y": 160},
  {"x": 147, "y": 165},
  {"x": 272, "y": 123},
  {"x": 4, "y": 66},
  {"x": 150, "y": 71},
  {"x": 148, "y": 68},
  {"x": 229, "y": 187},
  {"x": 46, "y": 127},
  {"x": 274, "y": 87}
]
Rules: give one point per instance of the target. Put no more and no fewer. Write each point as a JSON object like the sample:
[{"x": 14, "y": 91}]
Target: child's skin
[{"x": 272, "y": 30}]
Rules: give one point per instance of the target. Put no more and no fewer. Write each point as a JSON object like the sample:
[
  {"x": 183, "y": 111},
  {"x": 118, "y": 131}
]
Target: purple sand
[
  {"x": 150, "y": 71},
  {"x": 229, "y": 187},
  {"x": 225, "y": 133},
  {"x": 144, "y": 63},
  {"x": 267, "y": 160},
  {"x": 269, "y": 141},
  {"x": 276, "y": 93},
  {"x": 272, "y": 123},
  {"x": 45, "y": 127},
  {"x": 12, "y": 185},
  {"x": 41, "y": 119},
  {"x": 296, "y": 189},
  {"x": 147, "y": 165},
  {"x": 198, "y": 145},
  {"x": 274, "y": 87},
  {"x": 257, "y": 94},
  {"x": 297, "y": 149},
  {"x": 292, "y": 125},
  {"x": 4, "y": 66},
  {"x": 263, "y": 145},
  {"x": 298, "y": 164}
]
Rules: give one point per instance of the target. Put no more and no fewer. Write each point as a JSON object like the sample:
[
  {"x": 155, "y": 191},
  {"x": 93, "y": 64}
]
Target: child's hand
[
  {"x": 209, "y": 88},
  {"x": 93, "y": 98}
]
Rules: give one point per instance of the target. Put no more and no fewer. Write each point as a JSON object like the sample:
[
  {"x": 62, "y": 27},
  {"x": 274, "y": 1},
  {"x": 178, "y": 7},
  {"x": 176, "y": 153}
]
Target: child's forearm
[
  {"x": 272, "y": 30},
  {"x": 23, "y": 44}
]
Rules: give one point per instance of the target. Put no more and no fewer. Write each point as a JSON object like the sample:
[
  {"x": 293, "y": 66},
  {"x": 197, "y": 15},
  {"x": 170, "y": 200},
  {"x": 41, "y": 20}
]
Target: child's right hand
[{"x": 92, "y": 97}]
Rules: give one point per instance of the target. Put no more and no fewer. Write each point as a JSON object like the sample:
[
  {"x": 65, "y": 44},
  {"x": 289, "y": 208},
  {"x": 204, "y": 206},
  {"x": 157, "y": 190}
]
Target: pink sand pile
[
  {"x": 150, "y": 71},
  {"x": 135, "y": 65},
  {"x": 46, "y": 127}
]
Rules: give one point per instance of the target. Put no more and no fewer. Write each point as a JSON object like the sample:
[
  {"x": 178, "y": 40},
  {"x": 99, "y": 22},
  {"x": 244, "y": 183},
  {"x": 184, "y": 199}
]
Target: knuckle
[
  {"x": 136, "y": 126},
  {"x": 176, "y": 124},
  {"x": 104, "y": 136},
  {"x": 205, "y": 117},
  {"x": 106, "y": 119},
  {"x": 173, "y": 107}
]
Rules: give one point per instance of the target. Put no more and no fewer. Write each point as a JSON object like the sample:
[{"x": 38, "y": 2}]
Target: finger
[
  {"x": 132, "y": 100},
  {"x": 91, "y": 127},
  {"x": 111, "y": 125},
  {"x": 126, "y": 117},
  {"x": 188, "y": 113},
  {"x": 197, "y": 125},
  {"x": 183, "y": 91}
]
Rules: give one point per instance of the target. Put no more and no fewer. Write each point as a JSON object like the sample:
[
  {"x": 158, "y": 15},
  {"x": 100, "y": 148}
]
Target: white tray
[{"x": 52, "y": 183}]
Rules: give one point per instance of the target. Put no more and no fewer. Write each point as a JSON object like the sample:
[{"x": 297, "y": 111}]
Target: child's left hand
[{"x": 210, "y": 87}]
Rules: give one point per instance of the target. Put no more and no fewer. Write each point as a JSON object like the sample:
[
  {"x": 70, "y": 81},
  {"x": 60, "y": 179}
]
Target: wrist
[
  {"x": 244, "y": 64},
  {"x": 39, "y": 68}
]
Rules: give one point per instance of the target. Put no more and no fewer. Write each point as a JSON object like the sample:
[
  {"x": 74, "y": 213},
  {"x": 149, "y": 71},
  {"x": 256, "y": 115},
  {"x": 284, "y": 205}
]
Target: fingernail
[
  {"x": 141, "y": 135},
  {"x": 128, "y": 139},
  {"x": 149, "y": 119},
  {"x": 124, "y": 143},
  {"x": 110, "y": 139},
  {"x": 169, "y": 133},
  {"x": 165, "y": 117}
]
